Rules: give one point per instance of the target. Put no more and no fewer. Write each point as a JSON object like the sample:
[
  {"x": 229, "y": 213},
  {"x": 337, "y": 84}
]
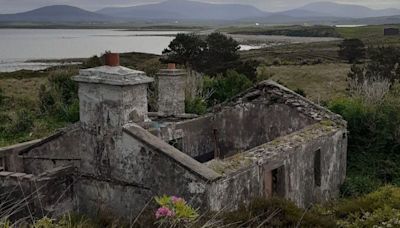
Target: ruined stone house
[{"x": 267, "y": 141}]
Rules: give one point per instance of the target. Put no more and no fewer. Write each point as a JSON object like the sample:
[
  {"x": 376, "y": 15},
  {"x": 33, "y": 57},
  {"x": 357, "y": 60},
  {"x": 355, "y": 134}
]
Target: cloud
[{"x": 8, "y": 6}]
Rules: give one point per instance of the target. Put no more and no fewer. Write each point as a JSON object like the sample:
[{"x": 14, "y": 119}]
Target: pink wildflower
[
  {"x": 164, "y": 212},
  {"x": 176, "y": 199}
]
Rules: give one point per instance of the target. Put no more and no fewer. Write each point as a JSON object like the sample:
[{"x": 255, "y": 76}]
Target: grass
[
  {"x": 371, "y": 35},
  {"x": 321, "y": 82},
  {"x": 21, "y": 91},
  {"x": 327, "y": 52}
]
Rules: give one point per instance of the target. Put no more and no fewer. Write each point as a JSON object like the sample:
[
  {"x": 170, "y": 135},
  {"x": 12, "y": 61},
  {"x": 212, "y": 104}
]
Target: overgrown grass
[
  {"x": 321, "y": 82},
  {"x": 36, "y": 103},
  {"x": 378, "y": 209},
  {"x": 374, "y": 146}
]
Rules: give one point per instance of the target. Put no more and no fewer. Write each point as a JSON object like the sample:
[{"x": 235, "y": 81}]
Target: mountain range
[{"x": 185, "y": 10}]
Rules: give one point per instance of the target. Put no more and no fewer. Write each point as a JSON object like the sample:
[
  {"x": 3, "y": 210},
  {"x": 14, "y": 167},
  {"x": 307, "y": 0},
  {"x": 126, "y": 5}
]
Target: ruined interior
[
  {"x": 267, "y": 141},
  {"x": 235, "y": 128}
]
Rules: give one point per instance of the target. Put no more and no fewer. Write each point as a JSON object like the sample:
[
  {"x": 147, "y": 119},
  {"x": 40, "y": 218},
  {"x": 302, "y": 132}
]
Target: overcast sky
[{"x": 10, "y": 6}]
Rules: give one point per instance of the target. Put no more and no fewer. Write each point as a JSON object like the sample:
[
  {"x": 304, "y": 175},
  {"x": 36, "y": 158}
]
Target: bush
[
  {"x": 225, "y": 87},
  {"x": 277, "y": 62},
  {"x": 275, "y": 212},
  {"x": 300, "y": 92},
  {"x": 93, "y": 61},
  {"x": 60, "y": 98},
  {"x": 263, "y": 73},
  {"x": 174, "y": 212},
  {"x": 352, "y": 50},
  {"x": 380, "y": 209},
  {"x": 384, "y": 65},
  {"x": 248, "y": 68},
  {"x": 20, "y": 124},
  {"x": 195, "y": 105},
  {"x": 355, "y": 185},
  {"x": 374, "y": 145}
]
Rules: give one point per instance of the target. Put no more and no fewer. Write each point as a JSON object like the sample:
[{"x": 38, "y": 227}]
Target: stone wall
[
  {"x": 141, "y": 167},
  {"x": 9, "y": 156},
  {"x": 24, "y": 195},
  {"x": 245, "y": 175},
  {"x": 60, "y": 149},
  {"x": 171, "y": 91}
]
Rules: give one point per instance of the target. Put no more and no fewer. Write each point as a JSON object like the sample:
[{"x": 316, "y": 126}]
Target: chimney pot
[
  {"x": 111, "y": 59},
  {"x": 171, "y": 66}
]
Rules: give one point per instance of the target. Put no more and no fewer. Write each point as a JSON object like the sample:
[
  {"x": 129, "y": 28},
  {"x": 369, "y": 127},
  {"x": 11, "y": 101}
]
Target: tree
[
  {"x": 185, "y": 49},
  {"x": 352, "y": 50},
  {"x": 222, "y": 53},
  {"x": 214, "y": 55}
]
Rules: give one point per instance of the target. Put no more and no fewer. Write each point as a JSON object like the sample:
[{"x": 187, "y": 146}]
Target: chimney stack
[
  {"x": 111, "y": 95},
  {"x": 171, "y": 90},
  {"x": 111, "y": 59}
]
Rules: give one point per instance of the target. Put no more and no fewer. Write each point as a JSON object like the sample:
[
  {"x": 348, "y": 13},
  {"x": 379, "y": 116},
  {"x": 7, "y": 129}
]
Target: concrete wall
[
  {"x": 171, "y": 92},
  {"x": 139, "y": 170},
  {"x": 234, "y": 190},
  {"x": 111, "y": 106},
  {"x": 297, "y": 163},
  {"x": 10, "y": 156},
  {"x": 61, "y": 149},
  {"x": 239, "y": 128}
]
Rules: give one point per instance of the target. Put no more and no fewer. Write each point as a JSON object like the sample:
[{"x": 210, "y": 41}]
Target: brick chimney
[
  {"x": 171, "y": 90},
  {"x": 111, "y": 95}
]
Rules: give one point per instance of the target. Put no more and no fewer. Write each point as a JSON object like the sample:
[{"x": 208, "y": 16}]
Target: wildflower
[
  {"x": 164, "y": 212},
  {"x": 176, "y": 200}
]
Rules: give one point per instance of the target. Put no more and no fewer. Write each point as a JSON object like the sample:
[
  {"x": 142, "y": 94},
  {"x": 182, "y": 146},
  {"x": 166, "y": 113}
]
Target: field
[
  {"x": 320, "y": 82},
  {"x": 370, "y": 35}
]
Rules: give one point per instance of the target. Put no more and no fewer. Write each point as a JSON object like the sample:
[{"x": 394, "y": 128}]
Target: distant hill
[
  {"x": 56, "y": 13},
  {"x": 331, "y": 9},
  {"x": 185, "y": 10}
]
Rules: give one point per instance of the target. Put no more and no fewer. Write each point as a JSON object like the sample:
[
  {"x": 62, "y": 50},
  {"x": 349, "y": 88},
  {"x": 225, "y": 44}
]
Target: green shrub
[
  {"x": 281, "y": 213},
  {"x": 174, "y": 212},
  {"x": 277, "y": 62},
  {"x": 17, "y": 125},
  {"x": 356, "y": 185},
  {"x": 195, "y": 105},
  {"x": 374, "y": 145},
  {"x": 93, "y": 61},
  {"x": 60, "y": 97},
  {"x": 379, "y": 208},
  {"x": 300, "y": 92},
  {"x": 225, "y": 87},
  {"x": 23, "y": 121},
  {"x": 263, "y": 73},
  {"x": 352, "y": 50}
]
